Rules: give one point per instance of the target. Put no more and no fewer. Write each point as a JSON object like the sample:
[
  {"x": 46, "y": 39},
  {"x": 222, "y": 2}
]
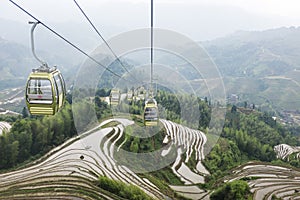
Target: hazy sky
[{"x": 198, "y": 19}]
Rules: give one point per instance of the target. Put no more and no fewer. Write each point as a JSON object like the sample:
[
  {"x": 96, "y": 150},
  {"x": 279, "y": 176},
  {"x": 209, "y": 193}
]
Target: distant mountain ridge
[
  {"x": 15, "y": 62},
  {"x": 16, "y": 56},
  {"x": 257, "y": 53},
  {"x": 260, "y": 66}
]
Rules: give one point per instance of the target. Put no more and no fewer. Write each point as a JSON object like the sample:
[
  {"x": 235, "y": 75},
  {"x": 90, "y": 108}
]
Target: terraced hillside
[
  {"x": 71, "y": 170},
  {"x": 4, "y": 127},
  {"x": 268, "y": 181},
  {"x": 283, "y": 151}
]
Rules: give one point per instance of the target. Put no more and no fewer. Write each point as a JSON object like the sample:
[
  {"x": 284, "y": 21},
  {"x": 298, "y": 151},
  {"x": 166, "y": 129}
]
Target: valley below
[{"x": 70, "y": 170}]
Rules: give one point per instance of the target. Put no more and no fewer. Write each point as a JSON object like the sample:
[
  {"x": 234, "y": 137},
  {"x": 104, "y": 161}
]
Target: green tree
[
  {"x": 245, "y": 104},
  {"x": 237, "y": 190},
  {"x": 25, "y": 139},
  {"x": 13, "y": 151},
  {"x": 25, "y": 112},
  {"x": 127, "y": 191},
  {"x": 134, "y": 146},
  {"x": 35, "y": 136}
]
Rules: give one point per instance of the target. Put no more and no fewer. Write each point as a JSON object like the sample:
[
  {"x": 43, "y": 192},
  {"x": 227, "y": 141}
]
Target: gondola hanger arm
[{"x": 43, "y": 64}]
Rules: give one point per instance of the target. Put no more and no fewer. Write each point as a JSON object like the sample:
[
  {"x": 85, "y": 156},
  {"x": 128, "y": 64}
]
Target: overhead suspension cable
[
  {"x": 106, "y": 43},
  {"x": 151, "y": 52},
  {"x": 67, "y": 41}
]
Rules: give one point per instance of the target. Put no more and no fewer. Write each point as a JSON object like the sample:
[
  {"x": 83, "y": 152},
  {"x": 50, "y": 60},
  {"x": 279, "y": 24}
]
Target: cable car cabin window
[
  {"x": 58, "y": 84},
  {"x": 62, "y": 83},
  {"x": 39, "y": 91},
  {"x": 150, "y": 114},
  {"x": 115, "y": 96}
]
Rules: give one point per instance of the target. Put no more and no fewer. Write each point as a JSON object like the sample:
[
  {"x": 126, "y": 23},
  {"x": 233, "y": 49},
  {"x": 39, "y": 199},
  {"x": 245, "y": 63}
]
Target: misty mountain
[
  {"x": 15, "y": 46},
  {"x": 13, "y": 54},
  {"x": 80, "y": 34},
  {"x": 260, "y": 66},
  {"x": 258, "y": 53},
  {"x": 16, "y": 58},
  {"x": 17, "y": 61}
]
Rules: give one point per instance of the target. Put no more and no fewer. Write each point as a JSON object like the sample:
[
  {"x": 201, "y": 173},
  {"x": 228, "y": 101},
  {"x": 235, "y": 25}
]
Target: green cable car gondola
[
  {"x": 45, "y": 88},
  {"x": 150, "y": 113}
]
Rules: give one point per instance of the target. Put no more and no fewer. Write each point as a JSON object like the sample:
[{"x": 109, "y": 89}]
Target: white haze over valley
[{"x": 198, "y": 19}]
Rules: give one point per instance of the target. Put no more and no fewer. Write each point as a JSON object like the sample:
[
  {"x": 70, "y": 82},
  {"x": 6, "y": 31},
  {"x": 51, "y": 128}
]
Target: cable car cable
[
  {"x": 151, "y": 109},
  {"x": 106, "y": 43},
  {"x": 151, "y": 53},
  {"x": 67, "y": 41}
]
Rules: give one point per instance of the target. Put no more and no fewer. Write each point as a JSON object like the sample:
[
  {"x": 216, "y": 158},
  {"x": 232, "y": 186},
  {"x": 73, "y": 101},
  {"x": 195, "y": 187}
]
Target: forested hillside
[
  {"x": 255, "y": 133},
  {"x": 30, "y": 138},
  {"x": 248, "y": 135}
]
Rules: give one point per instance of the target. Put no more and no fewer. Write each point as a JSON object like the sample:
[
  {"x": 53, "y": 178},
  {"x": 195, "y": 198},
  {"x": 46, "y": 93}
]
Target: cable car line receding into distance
[
  {"x": 151, "y": 109},
  {"x": 67, "y": 41},
  {"x": 150, "y": 103}
]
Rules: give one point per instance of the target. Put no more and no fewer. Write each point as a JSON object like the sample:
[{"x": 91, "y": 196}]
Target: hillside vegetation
[{"x": 247, "y": 135}]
